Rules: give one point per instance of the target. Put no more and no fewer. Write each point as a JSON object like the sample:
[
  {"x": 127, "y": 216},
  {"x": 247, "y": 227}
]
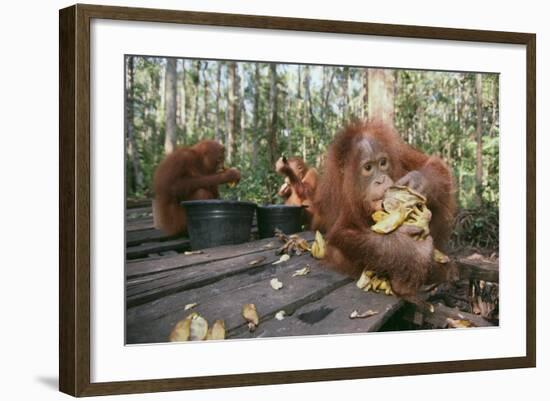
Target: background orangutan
[
  {"x": 188, "y": 173},
  {"x": 300, "y": 183},
  {"x": 363, "y": 161}
]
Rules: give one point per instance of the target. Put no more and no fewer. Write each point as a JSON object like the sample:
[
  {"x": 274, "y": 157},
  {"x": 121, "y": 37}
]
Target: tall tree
[
  {"x": 170, "y": 93},
  {"x": 345, "y": 95},
  {"x": 479, "y": 143},
  {"x": 273, "y": 108},
  {"x": 205, "y": 81},
  {"x": 256, "y": 114},
  {"x": 242, "y": 112},
  {"x": 196, "y": 112},
  {"x": 183, "y": 102},
  {"x": 381, "y": 95},
  {"x": 231, "y": 112},
  {"x": 130, "y": 137},
  {"x": 365, "y": 98},
  {"x": 218, "y": 135},
  {"x": 236, "y": 100}
]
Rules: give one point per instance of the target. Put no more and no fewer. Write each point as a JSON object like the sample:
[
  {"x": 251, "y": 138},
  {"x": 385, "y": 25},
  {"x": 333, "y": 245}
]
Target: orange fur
[{"x": 188, "y": 173}]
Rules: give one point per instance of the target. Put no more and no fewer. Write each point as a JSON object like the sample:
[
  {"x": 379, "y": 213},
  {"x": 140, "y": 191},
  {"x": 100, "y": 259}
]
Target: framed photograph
[{"x": 250, "y": 200}]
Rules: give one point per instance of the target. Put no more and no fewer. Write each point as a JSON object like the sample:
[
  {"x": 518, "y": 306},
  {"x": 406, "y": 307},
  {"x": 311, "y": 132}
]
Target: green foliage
[
  {"x": 433, "y": 111},
  {"x": 476, "y": 228}
]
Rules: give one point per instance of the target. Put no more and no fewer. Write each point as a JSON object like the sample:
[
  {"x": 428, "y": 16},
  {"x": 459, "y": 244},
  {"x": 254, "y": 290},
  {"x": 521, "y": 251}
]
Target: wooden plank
[
  {"x": 146, "y": 223},
  {"x": 136, "y": 269},
  {"x": 135, "y": 203},
  {"x": 175, "y": 303},
  {"x": 195, "y": 275},
  {"x": 438, "y": 318},
  {"x": 139, "y": 212},
  {"x": 140, "y": 251},
  {"x": 330, "y": 315},
  {"x": 139, "y": 224},
  {"x": 138, "y": 237},
  {"x": 478, "y": 270},
  {"x": 220, "y": 303}
]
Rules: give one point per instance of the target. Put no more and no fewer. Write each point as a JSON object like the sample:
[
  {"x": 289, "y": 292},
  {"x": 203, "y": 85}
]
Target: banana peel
[
  {"x": 319, "y": 246},
  {"x": 370, "y": 282},
  {"x": 250, "y": 314},
  {"x": 193, "y": 328},
  {"x": 402, "y": 205},
  {"x": 440, "y": 257}
]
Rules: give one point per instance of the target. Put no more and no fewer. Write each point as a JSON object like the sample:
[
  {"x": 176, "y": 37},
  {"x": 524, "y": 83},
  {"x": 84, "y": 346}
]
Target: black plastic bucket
[
  {"x": 288, "y": 219},
  {"x": 218, "y": 222}
]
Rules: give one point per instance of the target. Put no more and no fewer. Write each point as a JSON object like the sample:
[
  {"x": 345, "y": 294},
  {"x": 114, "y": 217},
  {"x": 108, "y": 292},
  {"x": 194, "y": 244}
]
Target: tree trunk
[
  {"x": 345, "y": 95},
  {"x": 131, "y": 145},
  {"x": 479, "y": 161},
  {"x": 231, "y": 108},
  {"x": 170, "y": 93},
  {"x": 256, "y": 115},
  {"x": 205, "y": 94},
  {"x": 183, "y": 102},
  {"x": 364, "y": 112},
  {"x": 307, "y": 98},
  {"x": 218, "y": 135},
  {"x": 196, "y": 88},
  {"x": 327, "y": 89},
  {"x": 273, "y": 108},
  {"x": 236, "y": 102},
  {"x": 381, "y": 95},
  {"x": 242, "y": 113}
]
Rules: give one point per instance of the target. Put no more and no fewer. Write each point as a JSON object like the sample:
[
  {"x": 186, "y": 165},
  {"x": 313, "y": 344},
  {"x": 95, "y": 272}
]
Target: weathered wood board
[
  {"x": 142, "y": 250},
  {"x": 221, "y": 296},
  {"x": 330, "y": 315}
]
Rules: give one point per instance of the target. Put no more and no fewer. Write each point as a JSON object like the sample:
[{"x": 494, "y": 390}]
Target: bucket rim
[
  {"x": 279, "y": 207},
  {"x": 216, "y": 202}
]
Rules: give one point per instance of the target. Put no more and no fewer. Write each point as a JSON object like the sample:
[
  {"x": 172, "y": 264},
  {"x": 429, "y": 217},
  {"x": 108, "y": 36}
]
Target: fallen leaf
[
  {"x": 250, "y": 314},
  {"x": 302, "y": 272},
  {"x": 318, "y": 248},
  {"x": 282, "y": 259},
  {"x": 194, "y": 327},
  {"x": 217, "y": 331},
  {"x": 190, "y": 306},
  {"x": 356, "y": 315},
  {"x": 293, "y": 244},
  {"x": 276, "y": 284},
  {"x": 459, "y": 323},
  {"x": 199, "y": 328},
  {"x": 475, "y": 256},
  {"x": 187, "y": 253},
  {"x": 181, "y": 331},
  {"x": 280, "y": 315},
  {"x": 364, "y": 279},
  {"x": 440, "y": 257},
  {"x": 256, "y": 261}
]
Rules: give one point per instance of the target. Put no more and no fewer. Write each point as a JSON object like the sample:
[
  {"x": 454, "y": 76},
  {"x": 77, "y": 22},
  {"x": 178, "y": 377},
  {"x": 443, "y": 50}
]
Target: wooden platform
[{"x": 161, "y": 280}]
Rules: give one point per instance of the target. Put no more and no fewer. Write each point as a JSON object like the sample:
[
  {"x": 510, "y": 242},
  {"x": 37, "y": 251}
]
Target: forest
[{"x": 261, "y": 111}]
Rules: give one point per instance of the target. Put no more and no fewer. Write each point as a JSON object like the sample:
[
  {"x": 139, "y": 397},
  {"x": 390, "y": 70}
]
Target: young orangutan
[
  {"x": 300, "y": 183},
  {"x": 188, "y": 173},
  {"x": 364, "y": 160}
]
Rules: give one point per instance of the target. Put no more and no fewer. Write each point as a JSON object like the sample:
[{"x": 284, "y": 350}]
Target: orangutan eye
[
  {"x": 383, "y": 162},
  {"x": 367, "y": 168}
]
